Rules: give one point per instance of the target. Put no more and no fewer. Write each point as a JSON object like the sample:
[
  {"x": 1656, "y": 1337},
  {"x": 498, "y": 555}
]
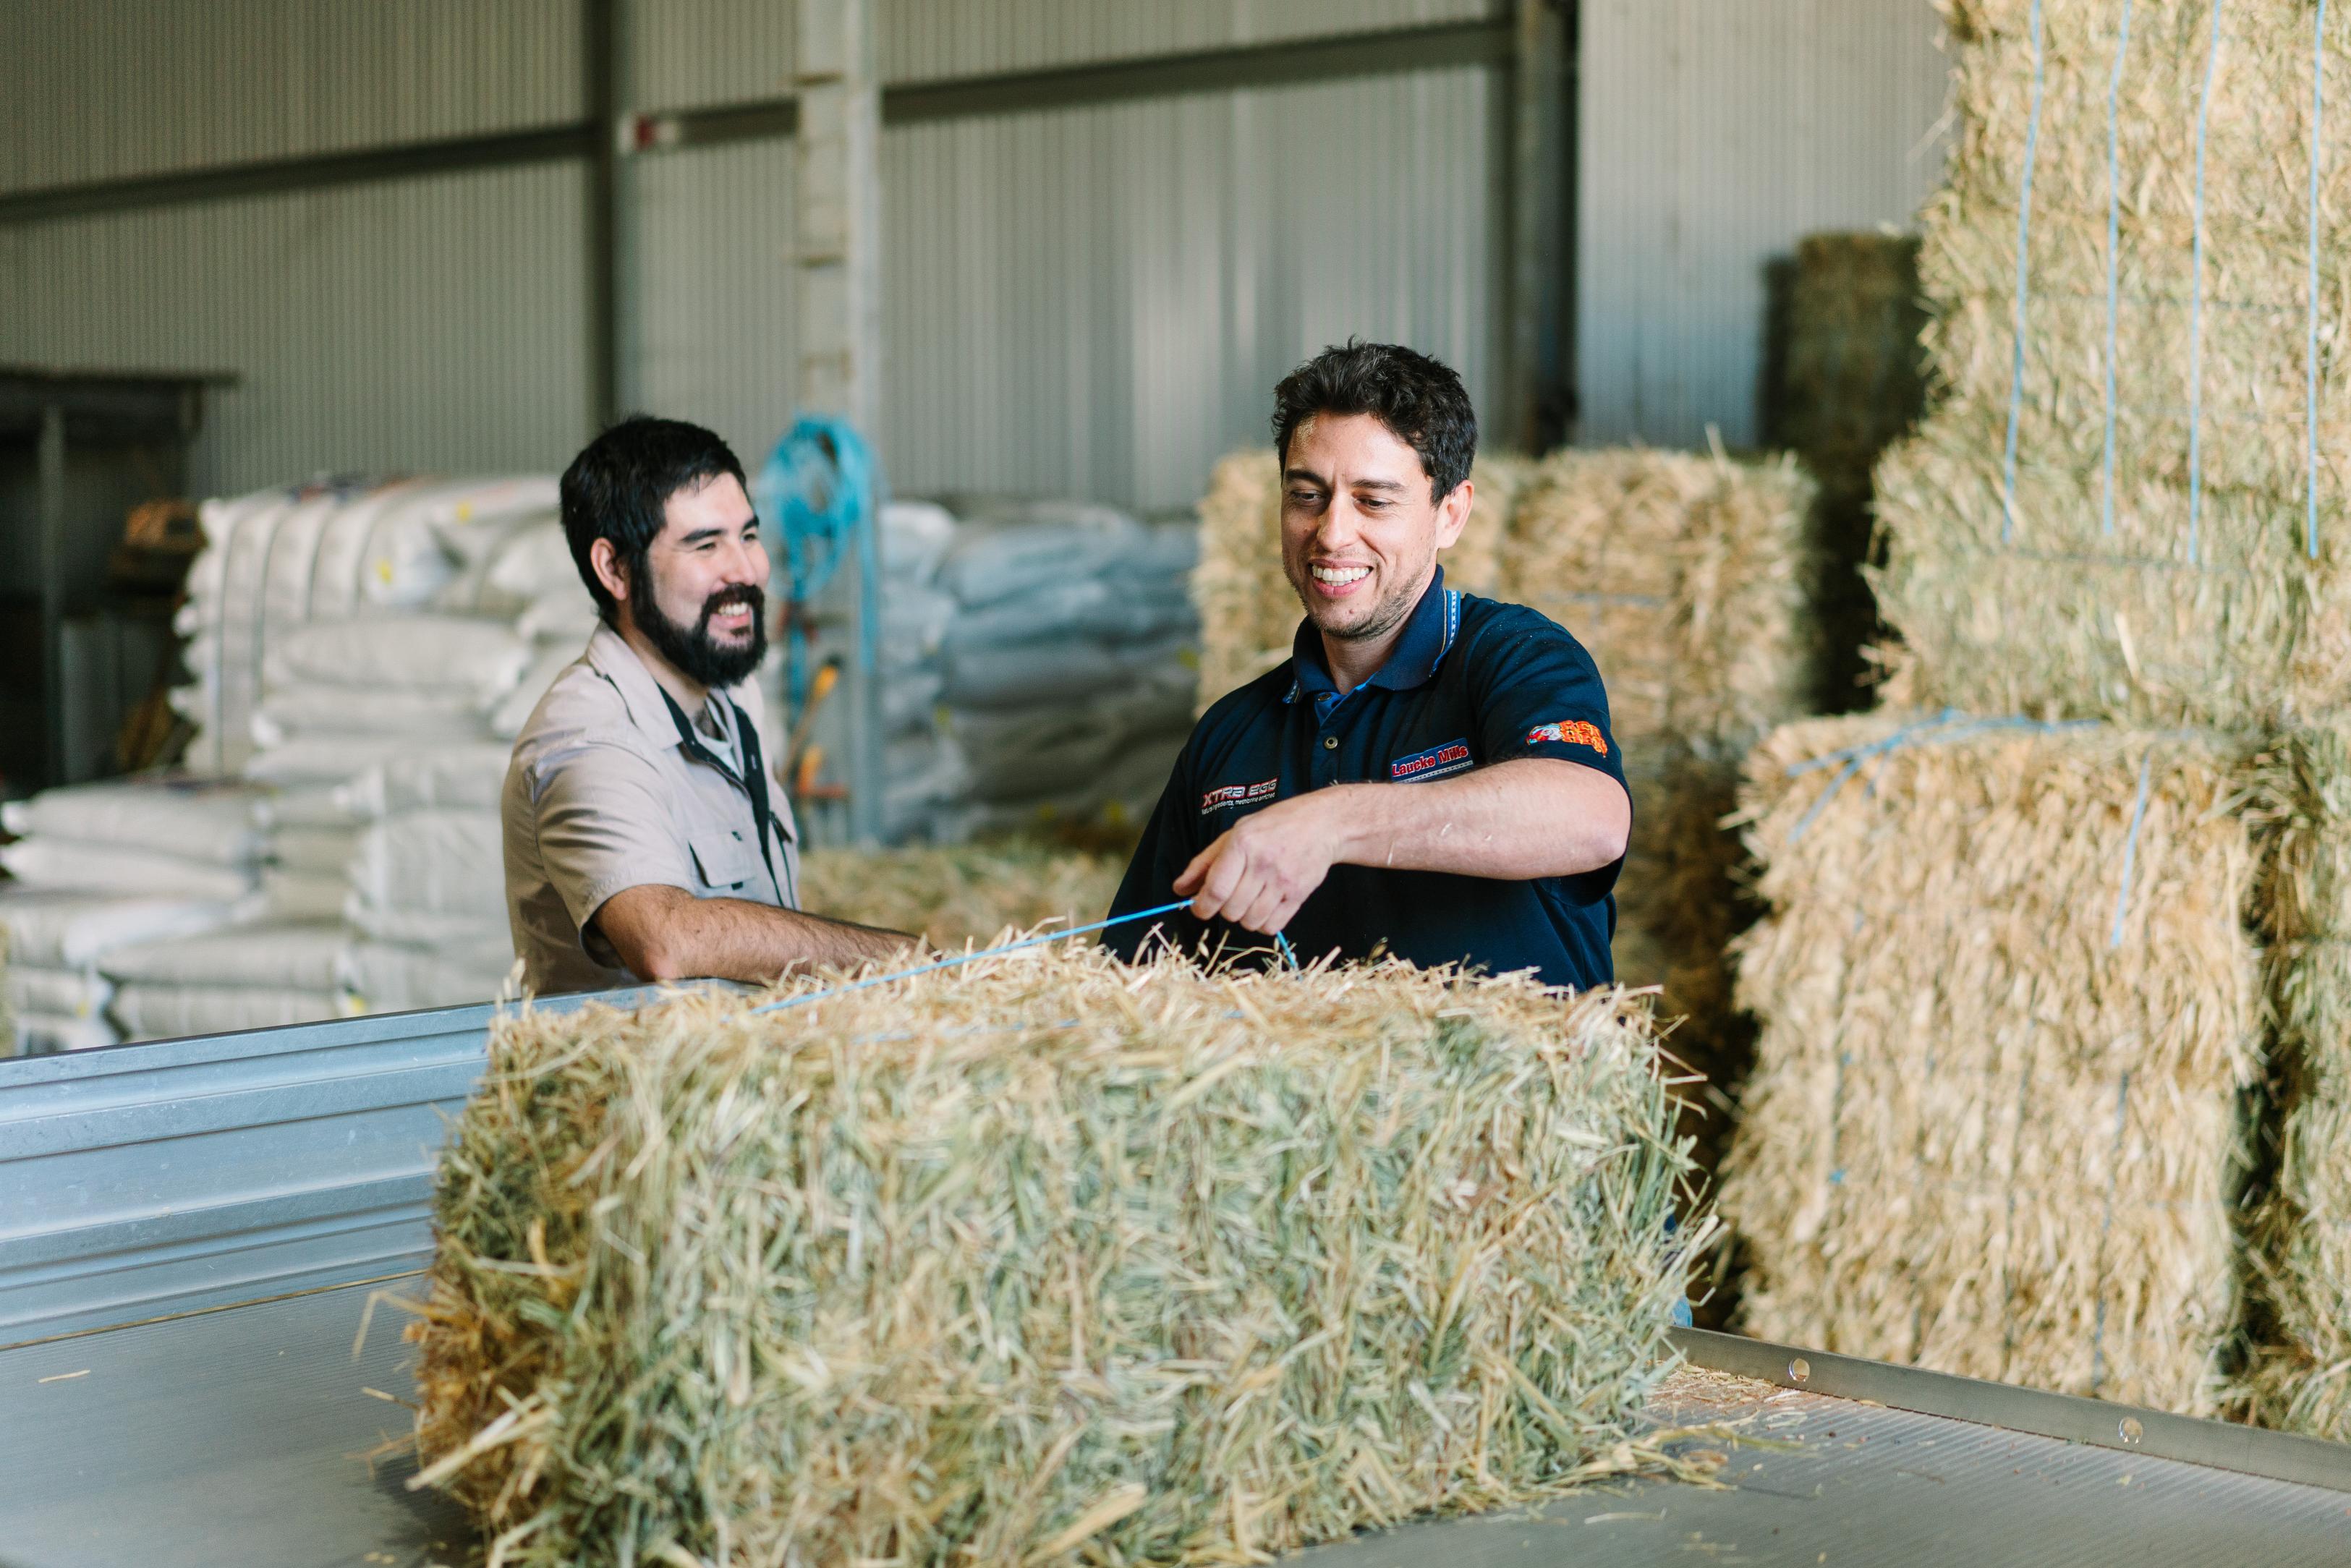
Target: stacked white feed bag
[
  {"x": 247, "y": 976},
  {"x": 56, "y": 939},
  {"x": 427, "y": 882},
  {"x": 923, "y": 775},
  {"x": 331, "y": 551},
  {"x": 1069, "y": 664},
  {"x": 101, "y": 864}
]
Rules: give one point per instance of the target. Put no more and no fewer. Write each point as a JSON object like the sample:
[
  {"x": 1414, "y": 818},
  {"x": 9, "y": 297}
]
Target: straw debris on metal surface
[
  {"x": 1047, "y": 1257},
  {"x": 2009, "y": 1005}
]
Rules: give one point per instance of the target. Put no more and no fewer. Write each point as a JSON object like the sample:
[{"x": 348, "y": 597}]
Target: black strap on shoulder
[{"x": 753, "y": 781}]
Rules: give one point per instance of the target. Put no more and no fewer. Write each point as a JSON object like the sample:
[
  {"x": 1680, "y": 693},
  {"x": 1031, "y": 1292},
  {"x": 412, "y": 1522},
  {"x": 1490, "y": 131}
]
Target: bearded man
[
  {"x": 1431, "y": 775},
  {"x": 647, "y": 834}
]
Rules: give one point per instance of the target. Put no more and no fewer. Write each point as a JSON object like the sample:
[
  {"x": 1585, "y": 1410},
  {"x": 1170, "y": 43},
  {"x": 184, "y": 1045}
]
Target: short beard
[
  {"x": 1391, "y": 612},
  {"x": 690, "y": 648}
]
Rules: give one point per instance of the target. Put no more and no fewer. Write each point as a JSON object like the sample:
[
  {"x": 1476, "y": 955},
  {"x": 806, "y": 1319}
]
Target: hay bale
[
  {"x": 1992, "y": 1126},
  {"x": 1686, "y": 577},
  {"x": 964, "y": 893},
  {"x": 1854, "y": 376},
  {"x": 2300, "y": 806},
  {"x": 1853, "y": 380},
  {"x": 1248, "y": 612},
  {"x": 1045, "y": 1256},
  {"x": 2181, "y": 592}
]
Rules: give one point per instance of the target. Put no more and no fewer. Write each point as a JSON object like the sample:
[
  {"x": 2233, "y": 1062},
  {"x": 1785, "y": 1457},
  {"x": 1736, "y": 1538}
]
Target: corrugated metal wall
[
  {"x": 1091, "y": 302},
  {"x": 1095, "y": 301},
  {"x": 1100, "y": 300},
  {"x": 1714, "y": 136},
  {"x": 97, "y": 89},
  {"x": 689, "y": 53},
  {"x": 427, "y": 324}
]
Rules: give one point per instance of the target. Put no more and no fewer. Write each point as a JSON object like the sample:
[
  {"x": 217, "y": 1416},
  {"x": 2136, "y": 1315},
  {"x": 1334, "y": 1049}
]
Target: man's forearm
[
  {"x": 664, "y": 933},
  {"x": 1529, "y": 817}
]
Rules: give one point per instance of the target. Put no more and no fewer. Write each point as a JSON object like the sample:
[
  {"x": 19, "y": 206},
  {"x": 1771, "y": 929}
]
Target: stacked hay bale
[
  {"x": 2007, "y": 1002},
  {"x": 961, "y": 897},
  {"x": 2111, "y": 521},
  {"x": 1852, "y": 382},
  {"x": 1018, "y": 1261},
  {"x": 2112, "y": 511},
  {"x": 1688, "y": 579},
  {"x": 2300, "y": 1376}
]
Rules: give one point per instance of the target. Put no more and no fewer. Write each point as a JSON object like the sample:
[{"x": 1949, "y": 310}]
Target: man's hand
[
  {"x": 1529, "y": 817},
  {"x": 1262, "y": 868}
]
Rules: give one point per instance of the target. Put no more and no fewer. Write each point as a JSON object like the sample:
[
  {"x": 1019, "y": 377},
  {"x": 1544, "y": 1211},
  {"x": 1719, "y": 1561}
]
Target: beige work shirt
[{"x": 604, "y": 794}]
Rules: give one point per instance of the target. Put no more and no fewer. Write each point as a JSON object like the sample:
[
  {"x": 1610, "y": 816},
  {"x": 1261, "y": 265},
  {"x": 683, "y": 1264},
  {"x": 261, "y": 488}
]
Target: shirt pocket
[{"x": 723, "y": 860}]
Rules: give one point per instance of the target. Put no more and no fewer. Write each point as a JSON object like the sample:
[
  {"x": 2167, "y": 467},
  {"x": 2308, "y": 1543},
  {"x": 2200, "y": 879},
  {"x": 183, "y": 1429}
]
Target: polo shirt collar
[{"x": 1429, "y": 634}]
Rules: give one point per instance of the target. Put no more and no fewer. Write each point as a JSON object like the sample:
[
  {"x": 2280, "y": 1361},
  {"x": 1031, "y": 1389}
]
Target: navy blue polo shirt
[{"x": 1470, "y": 682}]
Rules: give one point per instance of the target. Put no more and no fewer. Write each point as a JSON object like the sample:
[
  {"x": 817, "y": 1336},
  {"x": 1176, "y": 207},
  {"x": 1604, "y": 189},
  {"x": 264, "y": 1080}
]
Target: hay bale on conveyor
[
  {"x": 964, "y": 893},
  {"x": 2182, "y": 590},
  {"x": 1043, "y": 1254},
  {"x": 2006, "y": 1016}
]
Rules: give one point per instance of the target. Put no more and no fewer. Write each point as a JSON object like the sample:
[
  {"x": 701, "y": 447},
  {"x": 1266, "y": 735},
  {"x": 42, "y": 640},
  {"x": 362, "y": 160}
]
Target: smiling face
[
  {"x": 1360, "y": 532},
  {"x": 705, "y": 584}
]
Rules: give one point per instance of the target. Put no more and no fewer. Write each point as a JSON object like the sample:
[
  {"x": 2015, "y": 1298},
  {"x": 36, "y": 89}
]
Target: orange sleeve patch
[{"x": 1571, "y": 732}]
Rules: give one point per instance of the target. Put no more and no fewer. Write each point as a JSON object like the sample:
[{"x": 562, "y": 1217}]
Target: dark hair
[
  {"x": 1420, "y": 400},
  {"x": 617, "y": 487}
]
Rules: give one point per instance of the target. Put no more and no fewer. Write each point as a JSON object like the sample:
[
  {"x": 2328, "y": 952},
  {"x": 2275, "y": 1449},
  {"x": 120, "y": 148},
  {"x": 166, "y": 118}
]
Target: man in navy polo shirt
[{"x": 1431, "y": 776}]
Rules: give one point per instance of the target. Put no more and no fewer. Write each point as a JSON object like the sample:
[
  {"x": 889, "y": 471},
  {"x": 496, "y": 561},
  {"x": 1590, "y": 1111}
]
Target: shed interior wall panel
[
  {"x": 711, "y": 320},
  {"x": 100, "y": 89},
  {"x": 1714, "y": 136},
  {"x": 431, "y": 324},
  {"x": 1098, "y": 301},
  {"x": 686, "y": 54}
]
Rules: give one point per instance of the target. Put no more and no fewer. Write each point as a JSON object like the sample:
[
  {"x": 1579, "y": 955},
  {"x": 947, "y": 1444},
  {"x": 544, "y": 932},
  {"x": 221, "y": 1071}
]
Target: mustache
[{"x": 741, "y": 593}]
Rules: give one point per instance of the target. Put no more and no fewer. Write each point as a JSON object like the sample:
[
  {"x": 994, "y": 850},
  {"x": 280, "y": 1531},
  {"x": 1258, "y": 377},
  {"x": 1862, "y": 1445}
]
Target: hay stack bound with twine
[
  {"x": 1687, "y": 577},
  {"x": 2301, "y": 810},
  {"x": 1248, "y": 612},
  {"x": 1852, "y": 382},
  {"x": 1045, "y": 1258},
  {"x": 960, "y": 896},
  {"x": 2128, "y": 520},
  {"x": 2008, "y": 1005}
]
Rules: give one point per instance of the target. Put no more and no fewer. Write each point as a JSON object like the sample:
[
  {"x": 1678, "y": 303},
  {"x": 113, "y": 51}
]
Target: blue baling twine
[
  {"x": 2023, "y": 237},
  {"x": 2113, "y": 250},
  {"x": 2130, "y": 847},
  {"x": 2310, "y": 354},
  {"x": 2196, "y": 308},
  {"x": 1281, "y": 942},
  {"x": 1927, "y": 732}
]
